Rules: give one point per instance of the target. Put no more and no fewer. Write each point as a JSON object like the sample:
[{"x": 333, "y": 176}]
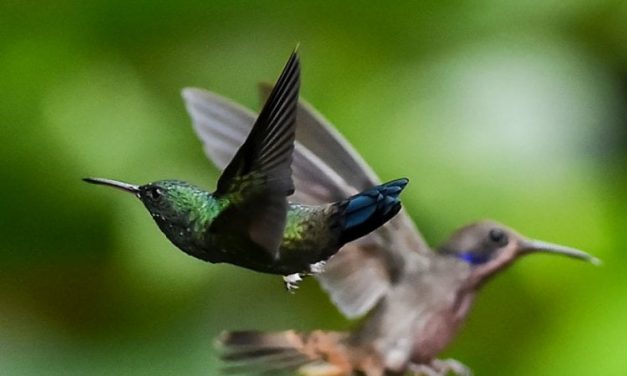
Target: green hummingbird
[{"x": 248, "y": 221}]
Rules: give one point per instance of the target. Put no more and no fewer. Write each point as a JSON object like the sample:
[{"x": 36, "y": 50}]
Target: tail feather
[
  {"x": 258, "y": 353},
  {"x": 252, "y": 352},
  {"x": 366, "y": 211}
]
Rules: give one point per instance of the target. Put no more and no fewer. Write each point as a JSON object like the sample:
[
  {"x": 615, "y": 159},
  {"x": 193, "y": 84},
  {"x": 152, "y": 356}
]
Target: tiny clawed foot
[
  {"x": 291, "y": 282},
  {"x": 422, "y": 370},
  {"x": 447, "y": 366},
  {"x": 441, "y": 368},
  {"x": 318, "y": 267}
]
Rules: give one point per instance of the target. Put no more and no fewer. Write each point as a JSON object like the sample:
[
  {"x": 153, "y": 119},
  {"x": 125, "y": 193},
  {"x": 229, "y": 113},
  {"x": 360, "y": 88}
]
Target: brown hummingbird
[{"x": 416, "y": 298}]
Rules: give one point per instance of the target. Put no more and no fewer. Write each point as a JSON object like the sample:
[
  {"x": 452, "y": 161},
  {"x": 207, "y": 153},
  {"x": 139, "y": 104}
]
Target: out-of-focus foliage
[{"x": 511, "y": 110}]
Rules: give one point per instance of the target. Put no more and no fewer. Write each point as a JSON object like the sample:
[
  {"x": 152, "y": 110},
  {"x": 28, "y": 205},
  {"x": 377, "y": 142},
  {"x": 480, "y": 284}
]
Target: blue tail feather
[{"x": 366, "y": 211}]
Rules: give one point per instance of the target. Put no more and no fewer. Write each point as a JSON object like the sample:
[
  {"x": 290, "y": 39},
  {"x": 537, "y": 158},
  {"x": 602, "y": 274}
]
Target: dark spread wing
[
  {"x": 360, "y": 275},
  {"x": 259, "y": 177}
]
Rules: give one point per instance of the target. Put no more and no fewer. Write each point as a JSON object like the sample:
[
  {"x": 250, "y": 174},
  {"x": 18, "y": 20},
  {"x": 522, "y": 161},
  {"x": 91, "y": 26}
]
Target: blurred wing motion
[{"x": 325, "y": 169}]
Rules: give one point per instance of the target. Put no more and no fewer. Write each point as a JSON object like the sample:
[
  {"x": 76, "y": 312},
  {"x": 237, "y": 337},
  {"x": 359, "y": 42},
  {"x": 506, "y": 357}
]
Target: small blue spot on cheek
[{"x": 473, "y": 258}]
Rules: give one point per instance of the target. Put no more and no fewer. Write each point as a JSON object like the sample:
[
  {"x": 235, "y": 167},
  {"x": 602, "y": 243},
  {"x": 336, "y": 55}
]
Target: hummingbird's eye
[
  {"x": 498, "y": 236},
  {"x": 154, "y": 193}
]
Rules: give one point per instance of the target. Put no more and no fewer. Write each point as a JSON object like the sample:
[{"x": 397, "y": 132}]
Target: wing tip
[{"x": 190, "y": 92}]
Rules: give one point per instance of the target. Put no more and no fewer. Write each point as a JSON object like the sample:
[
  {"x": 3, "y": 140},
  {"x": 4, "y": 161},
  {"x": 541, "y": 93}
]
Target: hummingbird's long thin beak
[
  {"x": 533, "y": 246},
  {"x": 115, "y": 184}
]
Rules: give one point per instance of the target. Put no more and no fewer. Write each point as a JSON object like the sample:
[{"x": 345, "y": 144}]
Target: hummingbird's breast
[
  {"x": 447, "y": 307},
  {"x": 419, "y": 317},
  {"x": 438, "y": 330}
]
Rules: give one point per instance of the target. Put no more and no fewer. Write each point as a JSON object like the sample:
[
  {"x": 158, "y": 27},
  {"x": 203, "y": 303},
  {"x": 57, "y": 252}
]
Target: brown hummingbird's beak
[
  {"x": 115, "y": 184},
  {"x": 537, "y": 246}
]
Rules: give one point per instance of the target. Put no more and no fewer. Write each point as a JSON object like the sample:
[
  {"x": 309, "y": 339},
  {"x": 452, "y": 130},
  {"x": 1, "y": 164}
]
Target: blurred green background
[{"x": 509, "y": 110}]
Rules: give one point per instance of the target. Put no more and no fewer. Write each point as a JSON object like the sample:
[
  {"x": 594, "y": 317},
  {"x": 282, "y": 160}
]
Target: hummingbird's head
[
  {"x": 488, "y": 247},
  {"x": 170, "y": 202},
  {"x": 173, "y": 204}
]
